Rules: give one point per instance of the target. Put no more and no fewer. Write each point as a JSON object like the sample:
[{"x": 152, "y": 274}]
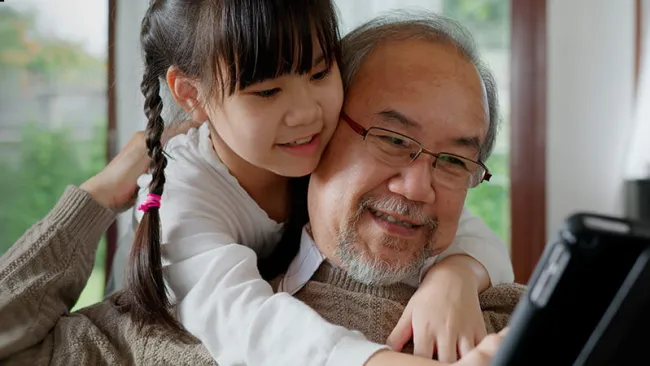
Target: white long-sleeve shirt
[{"x": 212, "y": 232}]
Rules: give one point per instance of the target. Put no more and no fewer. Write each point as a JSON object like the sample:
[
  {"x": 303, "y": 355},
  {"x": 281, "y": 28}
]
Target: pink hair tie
[{"x": 153, "y": 200}]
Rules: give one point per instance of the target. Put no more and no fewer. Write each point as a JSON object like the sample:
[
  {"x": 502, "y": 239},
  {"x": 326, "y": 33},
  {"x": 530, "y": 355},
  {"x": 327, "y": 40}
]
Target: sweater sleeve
[
  {"x": 224, "y": 302},
  {"x": 474, "y": 238},
  {"x": 44, "y": 272}
]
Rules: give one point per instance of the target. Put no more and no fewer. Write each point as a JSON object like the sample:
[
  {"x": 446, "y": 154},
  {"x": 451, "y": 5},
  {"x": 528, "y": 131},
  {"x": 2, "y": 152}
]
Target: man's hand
[
  {"x": 444, "y": 315},
  {"x": 115, "y": 186}
]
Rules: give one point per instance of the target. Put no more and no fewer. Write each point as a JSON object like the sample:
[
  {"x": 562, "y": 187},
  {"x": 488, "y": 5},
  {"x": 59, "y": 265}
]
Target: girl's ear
[{"x": 186, "y": 94}]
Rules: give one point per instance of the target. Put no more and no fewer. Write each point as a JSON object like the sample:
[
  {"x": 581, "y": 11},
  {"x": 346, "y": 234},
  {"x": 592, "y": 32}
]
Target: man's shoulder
[
  {"x": 502, "y": 295},
  {"x": 106, "y": 329},
  {"x": 498, "y": 303}
]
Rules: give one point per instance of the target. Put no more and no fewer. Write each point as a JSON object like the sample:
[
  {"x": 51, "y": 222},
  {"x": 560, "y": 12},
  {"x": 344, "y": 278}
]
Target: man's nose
[
  {"x": 415, "y": 181},
  {"x": 304, "y": 109}
]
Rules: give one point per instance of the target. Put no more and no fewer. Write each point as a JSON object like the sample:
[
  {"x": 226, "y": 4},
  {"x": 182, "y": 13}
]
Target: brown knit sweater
[{"x": 44, "y": 272}]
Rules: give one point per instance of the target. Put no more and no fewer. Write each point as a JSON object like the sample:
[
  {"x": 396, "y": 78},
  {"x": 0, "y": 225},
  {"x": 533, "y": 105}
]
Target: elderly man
[
  {"x": 348, "y": 268},
  {"x": 375, "y": 175}
]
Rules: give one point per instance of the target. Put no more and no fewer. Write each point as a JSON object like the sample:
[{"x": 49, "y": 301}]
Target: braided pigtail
[{"x": 146, "y": 294}]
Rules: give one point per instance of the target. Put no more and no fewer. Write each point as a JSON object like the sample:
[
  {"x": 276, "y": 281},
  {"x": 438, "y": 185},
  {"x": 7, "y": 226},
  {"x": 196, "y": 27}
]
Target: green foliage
[
  {"x": 488, "y": 20},
  {"x": 47, "y": 161},
  {"x": 42, "y": 55},
  {"x": 491, "y": 200},
  {"x": 12, "y": 28},
  {"x": 489, "y": 23},
  {"x": 37, "y": 169}
]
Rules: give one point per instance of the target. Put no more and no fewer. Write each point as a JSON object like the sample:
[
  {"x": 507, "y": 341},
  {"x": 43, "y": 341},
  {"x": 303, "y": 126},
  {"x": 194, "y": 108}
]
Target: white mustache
[{"x": 393, "y": 204}]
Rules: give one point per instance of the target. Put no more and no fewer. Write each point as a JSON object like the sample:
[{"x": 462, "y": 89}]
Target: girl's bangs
[{"x": 262, "y": 40}]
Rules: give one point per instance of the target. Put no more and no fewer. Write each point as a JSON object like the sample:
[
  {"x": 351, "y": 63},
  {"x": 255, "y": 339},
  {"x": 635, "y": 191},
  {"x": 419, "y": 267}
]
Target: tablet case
[
  {"x": 571, "y": 289},
  {"x": 621, "y": 337}
]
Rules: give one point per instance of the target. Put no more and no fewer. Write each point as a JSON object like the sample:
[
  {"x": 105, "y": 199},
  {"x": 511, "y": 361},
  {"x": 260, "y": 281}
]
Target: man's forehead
[
  {"x": 424, "y": 80},
  {"x": 399, "y": 61}
]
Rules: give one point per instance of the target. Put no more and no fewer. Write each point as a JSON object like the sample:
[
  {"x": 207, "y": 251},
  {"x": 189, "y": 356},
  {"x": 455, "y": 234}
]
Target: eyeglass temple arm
[
  {"x": 353, "y": 125},
  {"x": 487, "y": 176}
]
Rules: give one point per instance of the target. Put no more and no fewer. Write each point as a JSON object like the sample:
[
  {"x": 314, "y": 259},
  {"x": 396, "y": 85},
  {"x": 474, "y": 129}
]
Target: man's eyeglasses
[{"x": 392, "y": 148}]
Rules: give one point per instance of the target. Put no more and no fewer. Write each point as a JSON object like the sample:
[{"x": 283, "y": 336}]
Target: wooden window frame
[
  {"x": 528, "y": 135},
  {"x": 112, "y": 232}
]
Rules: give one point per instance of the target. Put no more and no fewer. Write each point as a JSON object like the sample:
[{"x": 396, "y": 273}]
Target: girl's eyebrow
[{"x": 318, "y": 60}]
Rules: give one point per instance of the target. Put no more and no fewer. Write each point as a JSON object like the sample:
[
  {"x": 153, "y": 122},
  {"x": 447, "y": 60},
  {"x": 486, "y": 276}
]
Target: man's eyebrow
[
  {"x": 393, "y": 116},
  {"x": 473, "y": 142}
]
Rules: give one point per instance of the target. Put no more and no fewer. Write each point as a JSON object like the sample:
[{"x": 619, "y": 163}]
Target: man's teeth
[
  {"x": 306, "y": 140},
  {"x": 392, "y": 219}
]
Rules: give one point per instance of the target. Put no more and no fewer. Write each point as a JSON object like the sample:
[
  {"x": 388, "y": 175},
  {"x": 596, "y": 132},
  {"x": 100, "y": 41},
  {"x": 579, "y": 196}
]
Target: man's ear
[{"x": 186, "y": 94}]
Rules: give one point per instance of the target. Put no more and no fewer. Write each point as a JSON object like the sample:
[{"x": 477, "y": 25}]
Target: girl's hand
[
  {"x": 481, "y": 355},
  {"x": 484, "y": 351},
  {"x": 444, "y": 316}
]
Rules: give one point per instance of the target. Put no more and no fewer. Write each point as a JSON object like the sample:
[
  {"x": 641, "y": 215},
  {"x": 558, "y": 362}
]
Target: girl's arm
[
  {"x": 475, "y": 239},
  {"x": 444, "y": 315},
  {"x": 225, "y": 303}
]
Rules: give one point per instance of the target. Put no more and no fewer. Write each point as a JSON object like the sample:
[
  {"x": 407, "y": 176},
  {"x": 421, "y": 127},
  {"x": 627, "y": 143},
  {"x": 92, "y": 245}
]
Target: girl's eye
[
  {"x": 268, "y": 93},
  {"x": 320, "y": 75}
]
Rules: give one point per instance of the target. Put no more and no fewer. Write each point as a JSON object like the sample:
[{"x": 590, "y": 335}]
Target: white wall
[
  {"x": 590, "y": 105},
  {"x": 638, "y": 160}
]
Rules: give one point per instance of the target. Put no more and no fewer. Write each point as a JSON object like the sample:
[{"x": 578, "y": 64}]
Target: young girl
[{"x": 264, "y": 74}]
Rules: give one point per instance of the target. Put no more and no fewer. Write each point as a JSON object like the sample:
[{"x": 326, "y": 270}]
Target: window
[
  {"x": 53, "y": 97},
  {"x": 489, "y": 22}
]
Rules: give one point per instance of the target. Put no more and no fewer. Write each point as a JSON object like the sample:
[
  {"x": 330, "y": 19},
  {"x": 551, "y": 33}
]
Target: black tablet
[
  {"x": 622, "y": 335},
  {"x": 595, "y": 260}
]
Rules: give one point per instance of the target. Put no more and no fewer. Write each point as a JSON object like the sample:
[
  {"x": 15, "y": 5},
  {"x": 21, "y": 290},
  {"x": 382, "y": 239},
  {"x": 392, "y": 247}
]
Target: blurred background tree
[
  {"x": 489, "y": 22},
  {"x": 45, "y": 81}
]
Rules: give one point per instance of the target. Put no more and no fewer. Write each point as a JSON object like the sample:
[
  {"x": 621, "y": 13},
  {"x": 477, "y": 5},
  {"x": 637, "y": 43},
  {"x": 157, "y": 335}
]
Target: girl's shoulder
[
  {"x": 197, "y": 181},
  {"x": 190, "y": 140},
  {"x": 191, "y": 156}
]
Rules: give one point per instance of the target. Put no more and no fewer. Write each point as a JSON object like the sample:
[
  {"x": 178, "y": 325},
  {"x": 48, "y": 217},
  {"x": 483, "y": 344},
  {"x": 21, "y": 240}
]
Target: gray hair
[{"x": 408, "y": 24}]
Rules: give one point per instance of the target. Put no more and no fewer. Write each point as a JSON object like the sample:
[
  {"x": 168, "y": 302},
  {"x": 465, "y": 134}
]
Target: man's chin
[
  {"x": 393, "y": 249},
  {"x": 380, "y": 273},
  {"x": 394, "y": 257},
  {"x": 383, "y": 265},
  {"x": 373, "y": 257}
]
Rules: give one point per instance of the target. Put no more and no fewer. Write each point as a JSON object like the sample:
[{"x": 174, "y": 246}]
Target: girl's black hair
[{"x": 227, "y": 45}]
